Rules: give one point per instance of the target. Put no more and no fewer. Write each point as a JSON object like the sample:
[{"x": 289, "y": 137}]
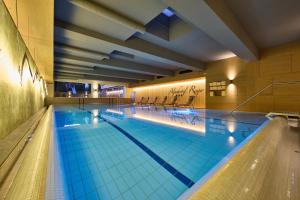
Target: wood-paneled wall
[
  {"x": 164, "y": 89},
  {"x": 277, "y": 64}
]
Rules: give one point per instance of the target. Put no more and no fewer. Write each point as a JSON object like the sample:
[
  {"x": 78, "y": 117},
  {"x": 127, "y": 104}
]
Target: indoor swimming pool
[{"x": 142, "y": 152}]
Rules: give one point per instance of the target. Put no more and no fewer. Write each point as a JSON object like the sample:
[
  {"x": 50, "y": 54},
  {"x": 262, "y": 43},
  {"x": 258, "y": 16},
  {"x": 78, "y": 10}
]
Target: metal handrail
[{"x": 262, "y": 90}]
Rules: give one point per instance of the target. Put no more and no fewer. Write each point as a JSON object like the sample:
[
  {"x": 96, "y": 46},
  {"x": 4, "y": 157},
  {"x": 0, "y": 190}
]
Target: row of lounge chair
[{"x": 173, "y": 102}]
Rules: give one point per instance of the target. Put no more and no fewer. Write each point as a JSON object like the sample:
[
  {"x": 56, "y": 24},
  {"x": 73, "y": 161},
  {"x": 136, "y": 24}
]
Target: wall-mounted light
[
  {"x": 231, "y": 89},
  {"x": 114, "y": 92},
  {"x": 45, "y": 87}
]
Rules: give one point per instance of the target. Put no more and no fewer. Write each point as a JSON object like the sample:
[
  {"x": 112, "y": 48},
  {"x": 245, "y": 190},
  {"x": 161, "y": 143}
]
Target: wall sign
[
  {"x": 192, "y": 90},
  {"x": 217, "y": 88},
  {"x": 35, "y": 75}
]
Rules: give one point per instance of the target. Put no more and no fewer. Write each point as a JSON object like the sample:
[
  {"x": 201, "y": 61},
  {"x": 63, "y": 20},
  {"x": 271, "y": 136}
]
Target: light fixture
[
  {"x": 71, "y": 125},
  {"x": 174, "y": 84},
  {"x": 114, "y": 92},
  {"x": 45, "y": 87},
  {"x": 231, "y": 81}
]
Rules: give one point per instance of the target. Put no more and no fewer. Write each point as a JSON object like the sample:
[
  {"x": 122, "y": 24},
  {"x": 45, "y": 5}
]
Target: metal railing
[
  {"x": 81, "y": 103},
  {"x": 262, "y": 90}
]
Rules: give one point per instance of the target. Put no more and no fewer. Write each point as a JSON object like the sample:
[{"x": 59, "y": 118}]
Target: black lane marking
[{"x": 181, "y": 177}]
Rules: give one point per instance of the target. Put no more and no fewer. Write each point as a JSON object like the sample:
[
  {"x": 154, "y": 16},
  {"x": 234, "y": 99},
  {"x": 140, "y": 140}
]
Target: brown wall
[
  {"x": 20, "y": 97},
  {"x": 276, "y": 64},
  {"x": 163, "y": 89}
]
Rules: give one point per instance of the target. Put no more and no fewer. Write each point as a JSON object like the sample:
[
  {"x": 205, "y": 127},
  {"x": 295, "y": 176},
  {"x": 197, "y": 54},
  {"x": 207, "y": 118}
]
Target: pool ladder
[
  {"x": 81, "y": 103},
  {"x": 261, "y": 91}
]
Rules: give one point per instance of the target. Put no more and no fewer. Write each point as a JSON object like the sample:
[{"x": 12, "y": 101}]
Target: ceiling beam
[
  {"x": 217, "y": 20},
  {"x": 109, "y": 14},
  {"x": 133, "y": 46},
  {"x": 72, "y": 76},
  {"x": 64, "y": 78},
  {"x": 86, "y": 52},
  {"x": 117, "y": 64},
  {"x": 103, "y": 72},
  {"x": 73, "y": 66}
]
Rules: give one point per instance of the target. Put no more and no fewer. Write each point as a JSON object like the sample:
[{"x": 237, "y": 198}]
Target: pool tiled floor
[
  {"x": 119, "y": 171},
  {"x": 108, "y": 157}
]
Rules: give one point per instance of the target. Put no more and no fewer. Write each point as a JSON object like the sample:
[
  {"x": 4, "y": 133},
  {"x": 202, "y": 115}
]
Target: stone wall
[{"x": 21, "y": 85}]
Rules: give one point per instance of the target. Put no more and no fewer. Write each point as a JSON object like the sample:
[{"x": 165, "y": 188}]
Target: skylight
[{"x": 168, "y": 12}]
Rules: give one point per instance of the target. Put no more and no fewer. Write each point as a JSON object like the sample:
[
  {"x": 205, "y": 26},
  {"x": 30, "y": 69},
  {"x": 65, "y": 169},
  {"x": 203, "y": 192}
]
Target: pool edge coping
[
  {"x": 54, "y": 163},
  {"x": 201, "y": 182}
]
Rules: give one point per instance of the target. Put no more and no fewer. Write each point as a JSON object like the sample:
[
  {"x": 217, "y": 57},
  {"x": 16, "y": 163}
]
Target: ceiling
[
  {"x": 268, "y": 22},
  {"x": 132, "y": 41}
]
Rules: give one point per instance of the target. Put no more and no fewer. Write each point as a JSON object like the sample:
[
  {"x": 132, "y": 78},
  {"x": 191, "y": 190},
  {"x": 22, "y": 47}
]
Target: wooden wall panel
[
  {"x": 281, "y": 63},
  {"x": 277, "y": 64},
  {"x": 296, "y": 62},
  {"x": 163, "y": 91}
]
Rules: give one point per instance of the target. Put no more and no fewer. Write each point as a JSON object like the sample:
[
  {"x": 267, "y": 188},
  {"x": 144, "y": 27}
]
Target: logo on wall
[
  {"x": 33, "y": 72},
  {"x": 193, "y": 91},
  {"x": 179, "y": 92}
]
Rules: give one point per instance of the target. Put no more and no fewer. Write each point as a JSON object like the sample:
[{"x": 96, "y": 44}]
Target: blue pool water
[{"x": 143, "y": 152}]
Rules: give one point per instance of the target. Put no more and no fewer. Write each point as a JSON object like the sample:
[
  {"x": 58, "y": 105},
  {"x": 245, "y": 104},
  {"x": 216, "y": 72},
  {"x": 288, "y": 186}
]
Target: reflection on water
[
  {"x": 114, "y": 111},
  {"x": 179, "y": 118},
  {"x": 200, "y": 121},
  {"x": 231, "y": 126},
  {"x": 231, "y": 141},
  {"x": 194, "y": 120}
]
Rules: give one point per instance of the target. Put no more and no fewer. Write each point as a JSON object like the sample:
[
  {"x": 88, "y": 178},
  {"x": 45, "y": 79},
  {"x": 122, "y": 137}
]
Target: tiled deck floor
[{"x": 268, "y": 168}]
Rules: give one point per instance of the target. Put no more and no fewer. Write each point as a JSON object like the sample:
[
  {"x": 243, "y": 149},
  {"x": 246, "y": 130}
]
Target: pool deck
[
  {"x": 27, "y": 177},
  {"x": 268, "y": 167}
]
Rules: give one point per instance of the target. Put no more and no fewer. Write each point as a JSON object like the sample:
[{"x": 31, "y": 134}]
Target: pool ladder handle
[
  {"x": 290, "y": 116},
  {"x": 261, "y": 91},
  {"x": 79, "y": 102}
]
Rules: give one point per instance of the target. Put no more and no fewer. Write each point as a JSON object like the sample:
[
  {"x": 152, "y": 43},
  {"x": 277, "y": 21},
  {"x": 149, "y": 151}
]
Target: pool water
[{"x": 143, "y": 152}]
